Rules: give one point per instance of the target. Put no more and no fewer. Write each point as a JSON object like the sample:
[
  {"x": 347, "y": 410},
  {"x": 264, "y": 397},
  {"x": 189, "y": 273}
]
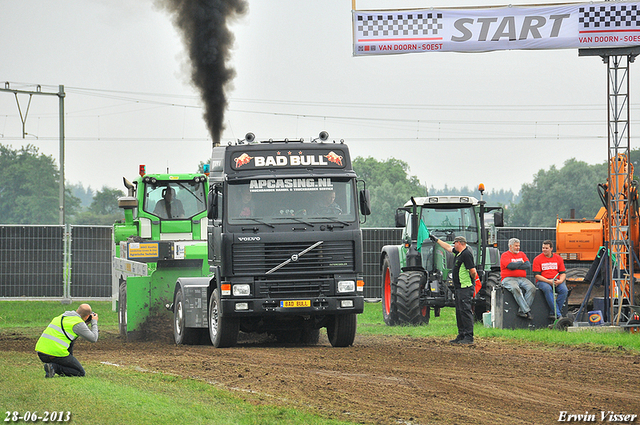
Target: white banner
[{"x": 567, "y": 26}]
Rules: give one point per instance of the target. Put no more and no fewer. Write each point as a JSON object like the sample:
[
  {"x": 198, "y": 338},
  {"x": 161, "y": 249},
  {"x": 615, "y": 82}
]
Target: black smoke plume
[{"x": 203, "y": 24}]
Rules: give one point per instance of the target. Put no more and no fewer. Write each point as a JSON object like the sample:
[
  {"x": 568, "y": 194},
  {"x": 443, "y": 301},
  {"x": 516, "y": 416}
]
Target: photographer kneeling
[{"x": 55, "y": 346}]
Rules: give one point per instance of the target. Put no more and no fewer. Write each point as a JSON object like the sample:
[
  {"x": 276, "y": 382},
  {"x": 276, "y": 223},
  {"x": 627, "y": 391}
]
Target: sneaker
[
  {"x": 51, "y": 372},
  {"x": 529, "y": 315},
  {"x": 466, "y": 341},
  {"x": 521, "y": 314}
]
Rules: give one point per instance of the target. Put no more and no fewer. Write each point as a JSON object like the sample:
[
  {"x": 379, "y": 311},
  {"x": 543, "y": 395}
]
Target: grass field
[{"x": 112, "y": 395}]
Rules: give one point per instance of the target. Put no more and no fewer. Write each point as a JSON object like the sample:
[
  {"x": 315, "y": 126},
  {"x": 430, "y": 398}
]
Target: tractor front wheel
[{"x": 408, "y": 299}]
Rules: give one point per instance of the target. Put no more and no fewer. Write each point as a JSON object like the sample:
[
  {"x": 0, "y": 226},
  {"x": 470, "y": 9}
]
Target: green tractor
[
  {"x": 416, "y": 276},
  {"x": 163, "y": 237}
]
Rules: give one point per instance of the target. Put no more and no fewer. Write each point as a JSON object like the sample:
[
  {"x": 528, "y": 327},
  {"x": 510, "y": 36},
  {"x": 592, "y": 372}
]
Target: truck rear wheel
[
  {"x": 408, "y": 299},
  {"x": 182, "y": 334},
  {"x": 223, "y": 331},
  {"x": 389, "y": 309},
  {"x": 341, "y": 331}
]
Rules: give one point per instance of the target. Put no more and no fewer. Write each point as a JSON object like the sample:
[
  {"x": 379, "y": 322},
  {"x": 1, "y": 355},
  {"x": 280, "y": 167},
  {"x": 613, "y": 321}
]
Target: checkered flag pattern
[
  {"x": 614, "y": 16},
  {"x": 410, "y": 24}
]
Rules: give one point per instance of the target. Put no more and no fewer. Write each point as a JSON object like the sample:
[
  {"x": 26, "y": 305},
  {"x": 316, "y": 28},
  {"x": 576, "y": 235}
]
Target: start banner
[{"x": 558, "y": 26}]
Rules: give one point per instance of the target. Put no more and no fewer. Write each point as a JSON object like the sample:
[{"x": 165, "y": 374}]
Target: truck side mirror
[
  {"x": 365, "y": 202},
  {"x": 498, "y": 219},
  {"x": 401, "y": 218},
  {"x": 212, "y": 208}
]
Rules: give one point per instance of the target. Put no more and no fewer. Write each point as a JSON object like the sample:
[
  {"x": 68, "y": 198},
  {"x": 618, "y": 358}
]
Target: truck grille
[
  {"x": 293, "y": 287},
  {"x": 328, "y": 258}
]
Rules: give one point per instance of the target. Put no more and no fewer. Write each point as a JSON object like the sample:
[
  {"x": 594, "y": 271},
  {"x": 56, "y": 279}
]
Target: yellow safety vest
[{"x": 58, "y": 336}]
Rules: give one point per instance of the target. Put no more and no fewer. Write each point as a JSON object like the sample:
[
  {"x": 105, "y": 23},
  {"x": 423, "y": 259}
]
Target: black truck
[{"x": 284, "y": 245}]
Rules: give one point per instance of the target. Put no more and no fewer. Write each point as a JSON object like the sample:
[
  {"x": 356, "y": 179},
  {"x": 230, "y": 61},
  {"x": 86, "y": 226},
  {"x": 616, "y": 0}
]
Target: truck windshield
[
  {"x": 174, "y": 200},
  {"x": 449, "y": 223},
  {"x": 291, "y": 200}
]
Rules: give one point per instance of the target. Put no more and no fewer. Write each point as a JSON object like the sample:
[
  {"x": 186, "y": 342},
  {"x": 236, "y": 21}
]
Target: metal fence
[
  {"x": 373, "y": 239},
  {"x": 75, "y": 262},
  {"x": 55, "y": 261},
  {"x": 531, "y": 239}
]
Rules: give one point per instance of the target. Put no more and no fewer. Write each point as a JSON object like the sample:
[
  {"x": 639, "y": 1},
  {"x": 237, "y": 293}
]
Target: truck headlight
[
  {"x": 241, "y": 290},
  {"x": 346, "y": 286}
]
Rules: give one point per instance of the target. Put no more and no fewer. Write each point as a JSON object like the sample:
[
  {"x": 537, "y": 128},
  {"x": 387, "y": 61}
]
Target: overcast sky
[{"x": 456, "y": 118}]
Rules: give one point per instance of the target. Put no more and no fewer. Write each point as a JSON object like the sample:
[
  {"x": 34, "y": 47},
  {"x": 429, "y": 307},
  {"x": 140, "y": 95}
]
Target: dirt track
[{"x": 390, "y": 380}]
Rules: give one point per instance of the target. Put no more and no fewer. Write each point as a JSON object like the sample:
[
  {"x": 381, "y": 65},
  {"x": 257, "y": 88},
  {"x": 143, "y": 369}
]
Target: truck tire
[
  {"x": 223, "y": 331},
  {"x": 389, "y": 308},
  {"x": 122, "y": 307},
  {"x": 341, "y": 331},
  {"x": 182, "y": 334},
  {"x": 408, "y": 299}
]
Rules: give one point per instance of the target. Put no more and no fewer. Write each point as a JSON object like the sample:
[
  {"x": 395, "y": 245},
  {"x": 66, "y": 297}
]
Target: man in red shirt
[
  {"x": 513, "y": 270},
  {"x": 549, "y": 271}
]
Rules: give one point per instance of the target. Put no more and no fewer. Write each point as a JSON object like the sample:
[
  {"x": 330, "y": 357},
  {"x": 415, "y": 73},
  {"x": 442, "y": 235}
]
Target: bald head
[{"x": 84, "y": 310}]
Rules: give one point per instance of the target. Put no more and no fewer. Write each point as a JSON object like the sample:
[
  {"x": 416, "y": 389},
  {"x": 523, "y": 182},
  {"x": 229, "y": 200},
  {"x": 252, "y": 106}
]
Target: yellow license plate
[{"x": 295, "y": 303}]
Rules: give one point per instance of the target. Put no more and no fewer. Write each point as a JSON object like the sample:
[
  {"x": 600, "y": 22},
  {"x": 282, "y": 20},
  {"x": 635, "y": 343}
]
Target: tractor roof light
[{"x": 142, "y": 170}]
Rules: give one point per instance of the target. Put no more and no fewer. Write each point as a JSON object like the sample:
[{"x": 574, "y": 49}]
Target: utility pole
[{"x": 61, "y": 96}]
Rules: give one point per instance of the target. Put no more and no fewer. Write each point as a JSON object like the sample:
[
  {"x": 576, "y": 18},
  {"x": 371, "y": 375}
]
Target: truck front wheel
[
  {"x": 223, "y": 331},
  {"x": 341, "y": 331}
]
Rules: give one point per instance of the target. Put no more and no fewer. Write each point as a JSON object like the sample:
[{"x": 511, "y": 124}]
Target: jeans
[
  {"x": 65, "y": 366},
  {"x": 464, "y": 314},
  {"x": 516, "y": 285},
  {"x": 561, "y": 295}
]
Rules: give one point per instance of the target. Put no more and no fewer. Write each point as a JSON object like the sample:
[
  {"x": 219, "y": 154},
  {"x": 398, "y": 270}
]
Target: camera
[{"x": 91, "y": 316}]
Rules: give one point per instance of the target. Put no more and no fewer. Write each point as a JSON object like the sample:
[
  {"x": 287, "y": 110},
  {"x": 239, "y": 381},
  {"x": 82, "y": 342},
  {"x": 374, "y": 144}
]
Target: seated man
[
  {"x": 326, "y": 204},
  {"x": 513, "y": 270},
  {"x": 549, "y": 271},
  {"x": 246, "y": 206},
  {"x": 169, "y": 207}
]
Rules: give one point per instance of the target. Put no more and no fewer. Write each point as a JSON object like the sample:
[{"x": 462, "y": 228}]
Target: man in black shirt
[{"x": 464, "y": 276}]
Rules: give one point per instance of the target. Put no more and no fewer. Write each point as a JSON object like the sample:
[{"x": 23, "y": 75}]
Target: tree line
[{"x": 29, "y": 192}]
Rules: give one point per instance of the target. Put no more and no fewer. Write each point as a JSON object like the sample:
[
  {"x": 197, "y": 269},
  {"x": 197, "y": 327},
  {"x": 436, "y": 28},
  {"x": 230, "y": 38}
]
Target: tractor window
[
  {"x": 175, "y": 200},
  {"x": 448, "y": 223}
]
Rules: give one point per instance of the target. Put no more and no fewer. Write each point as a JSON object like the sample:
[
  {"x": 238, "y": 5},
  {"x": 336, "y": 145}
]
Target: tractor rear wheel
[
  {"x": 408, "y": 299},
  {"x": 389, "y": 308},
  {"x": 223, "y": 331}
]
